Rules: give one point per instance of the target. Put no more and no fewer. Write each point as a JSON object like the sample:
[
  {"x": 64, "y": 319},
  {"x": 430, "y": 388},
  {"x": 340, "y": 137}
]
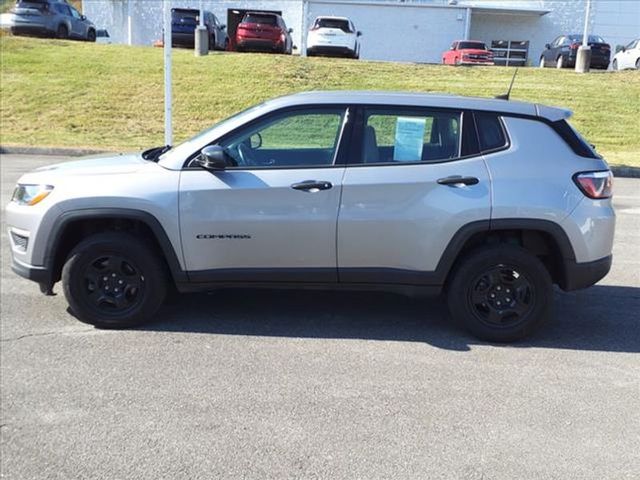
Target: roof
[{"x": 420, "y": 100}]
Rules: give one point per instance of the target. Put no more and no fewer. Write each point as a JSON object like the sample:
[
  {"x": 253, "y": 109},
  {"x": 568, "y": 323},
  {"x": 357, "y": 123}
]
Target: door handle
[
  {"x": 312, "y": 186},
  {"x": 458, "y": 180}
]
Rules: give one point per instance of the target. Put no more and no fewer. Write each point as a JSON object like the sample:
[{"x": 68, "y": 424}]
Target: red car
[
  {"x": 468, "y": 52},
  {"x": 263, "y": 31}
]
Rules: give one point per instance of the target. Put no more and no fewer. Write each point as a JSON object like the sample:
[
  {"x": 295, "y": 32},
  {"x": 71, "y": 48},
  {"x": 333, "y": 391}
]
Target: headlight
[{"x": 30, "y": 194}]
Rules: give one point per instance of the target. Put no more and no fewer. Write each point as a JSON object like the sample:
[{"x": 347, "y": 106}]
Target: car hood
[
  {"x": 95, "y": 165},
  {"x": 475, "y": 51}
]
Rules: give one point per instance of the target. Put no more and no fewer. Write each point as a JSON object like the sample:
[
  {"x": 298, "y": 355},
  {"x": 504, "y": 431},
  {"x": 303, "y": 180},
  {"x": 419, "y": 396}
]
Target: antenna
[{"x": 506, "y": 95}]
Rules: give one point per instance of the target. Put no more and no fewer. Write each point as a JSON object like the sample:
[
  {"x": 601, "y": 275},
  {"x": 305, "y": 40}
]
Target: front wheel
[
  {"x": 91, "y": 36},
  {"x": 113, "y": 280},
  {"x": 500, "y": 293}
]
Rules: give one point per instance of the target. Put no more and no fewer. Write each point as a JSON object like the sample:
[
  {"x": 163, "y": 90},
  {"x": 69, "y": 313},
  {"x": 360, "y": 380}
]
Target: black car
[
  {"x": 562, "y": 52},
  {"x": 51, "y": 18},
  {"x": 183, "y": 25}
]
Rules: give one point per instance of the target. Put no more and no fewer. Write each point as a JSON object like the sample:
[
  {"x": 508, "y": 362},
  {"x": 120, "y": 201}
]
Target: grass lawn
[{"x": 73, "y": 94}]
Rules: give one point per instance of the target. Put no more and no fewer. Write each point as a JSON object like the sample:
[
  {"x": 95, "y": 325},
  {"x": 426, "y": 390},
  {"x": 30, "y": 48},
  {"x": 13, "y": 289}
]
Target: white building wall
[
  {"x": 406, "y": 33},
  {"x": 617, "y": 21}
]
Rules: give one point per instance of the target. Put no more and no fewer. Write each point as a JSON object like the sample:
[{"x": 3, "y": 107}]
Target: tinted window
[
  {"x": 300, "y": 138},
  {"x": 490, "y": 132},
  {"x": 333, "y": 23},
  {"x": 472, "y": 45},
  {"x": 263, "y": 19},
  {"x": 407, "y": 136},
  {"x": 185, "y": 16},
  {"x": 592, "y": 38},
  {"x": 75, "y": 13}
]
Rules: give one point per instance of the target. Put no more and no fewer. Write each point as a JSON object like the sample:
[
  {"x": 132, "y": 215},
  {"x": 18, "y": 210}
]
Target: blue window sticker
[{"x": 409, "y": 139}]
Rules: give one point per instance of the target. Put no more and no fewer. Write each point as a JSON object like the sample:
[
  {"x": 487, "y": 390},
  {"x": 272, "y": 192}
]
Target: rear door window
[{"x": 393, "y": 136}]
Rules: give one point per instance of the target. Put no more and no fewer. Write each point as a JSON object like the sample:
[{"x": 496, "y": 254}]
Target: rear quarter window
[{"x": 491, "y": 134}]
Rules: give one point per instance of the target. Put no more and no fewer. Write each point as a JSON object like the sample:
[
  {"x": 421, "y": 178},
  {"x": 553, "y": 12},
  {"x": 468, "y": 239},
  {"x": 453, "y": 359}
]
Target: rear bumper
[
  {"x": 329, "y": 50},
  {"x": 34, "y": 29},
  {"x": 583, "y": 275},
  {"x": 182, "y": 38},
  {"x": 258, "y": 44}
]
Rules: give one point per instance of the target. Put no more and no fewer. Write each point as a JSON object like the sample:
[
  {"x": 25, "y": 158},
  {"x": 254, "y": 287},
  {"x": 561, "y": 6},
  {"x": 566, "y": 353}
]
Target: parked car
[
  {"x": 468, "y": 52},
  {"x": 333, "y": 36},
  {"x": 627, "y": 57},
  {"x": 261, "y": 31},
  {"x": 102, "y": 36},
  {"x": 183, "y": 26},
  {"x": 563, "y": 51},
  {"x": 51, "y": 18},
  {"x": 493, "y": 201}
]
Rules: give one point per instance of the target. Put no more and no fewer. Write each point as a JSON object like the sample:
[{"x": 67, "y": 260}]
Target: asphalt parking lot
[{"x": 263, "y": 384}]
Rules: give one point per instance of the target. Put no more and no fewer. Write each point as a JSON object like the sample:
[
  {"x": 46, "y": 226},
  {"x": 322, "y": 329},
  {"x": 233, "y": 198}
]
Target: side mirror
[
  {"x": 83, "y": 17},
  {"x": 222, "y": 27},
  {"x": 547, "y": 46},
  {"x": 290, "y": 30},
  {"x": 358, "y": 33},
  {"x": 623, "y": 49},
  {"x": 212, "y": 157}
]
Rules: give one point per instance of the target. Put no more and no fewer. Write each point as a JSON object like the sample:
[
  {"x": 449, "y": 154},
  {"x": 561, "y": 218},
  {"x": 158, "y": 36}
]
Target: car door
[
  {"x": 628, "y": 57},
  {"x": 271, "y": 215},
  {"x": 77, "y": 25},
  {"x": 550, "y": 53},
  {"x": 413, "y": 186}
]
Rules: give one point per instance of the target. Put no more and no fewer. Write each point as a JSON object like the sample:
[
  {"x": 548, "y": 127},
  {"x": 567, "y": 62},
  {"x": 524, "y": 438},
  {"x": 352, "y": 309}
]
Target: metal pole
[
  {"x": 585, "y": 36},
  {"x": 303, "y": 39},
  {"x": 168, "y": 131},
  {"x": 129, "y": 24},
  {"x": 201, "y": 13}
]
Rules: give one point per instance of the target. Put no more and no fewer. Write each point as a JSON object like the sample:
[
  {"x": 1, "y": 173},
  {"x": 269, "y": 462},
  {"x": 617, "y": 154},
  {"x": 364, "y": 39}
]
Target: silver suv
[
  {"x": 490, "y": 201},
  {"x": 51, "y": 18}
]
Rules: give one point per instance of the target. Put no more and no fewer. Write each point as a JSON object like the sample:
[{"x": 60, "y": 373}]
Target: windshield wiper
[{"x": 154, "y": 153}]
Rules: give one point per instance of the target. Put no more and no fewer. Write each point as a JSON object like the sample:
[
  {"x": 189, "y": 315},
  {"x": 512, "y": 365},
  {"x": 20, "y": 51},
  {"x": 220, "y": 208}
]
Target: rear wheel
[
  {"x": 560, "y": 62},
  {"x": 113, "y": 280},
  {"x": 62, "y": 32},
  {"x": 500, "y": 293}
]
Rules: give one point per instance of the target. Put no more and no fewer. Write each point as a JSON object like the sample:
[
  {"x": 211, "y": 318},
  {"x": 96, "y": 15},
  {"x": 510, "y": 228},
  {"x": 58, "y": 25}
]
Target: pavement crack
[{"x": 44, "y": 334}]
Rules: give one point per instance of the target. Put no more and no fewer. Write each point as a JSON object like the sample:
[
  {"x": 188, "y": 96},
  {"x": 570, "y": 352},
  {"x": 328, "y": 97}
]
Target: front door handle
[
  {"x": 312, "y": 186},
  {"x": 458, "y": 180}
]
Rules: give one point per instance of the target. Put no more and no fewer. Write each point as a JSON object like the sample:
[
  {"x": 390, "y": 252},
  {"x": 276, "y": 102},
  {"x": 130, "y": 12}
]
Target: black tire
[
  {"x": 113, "y": 280},
  {"x": 62, "y": 32},
  {"x": 500, "y": 293},
  {"x": 91, "y": 36},
  {"x": 212, "y": 42}
]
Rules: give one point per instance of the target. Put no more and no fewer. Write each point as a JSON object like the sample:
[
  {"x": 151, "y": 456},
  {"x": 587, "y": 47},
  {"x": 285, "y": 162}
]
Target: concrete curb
[{"x": 619, "y": 171}]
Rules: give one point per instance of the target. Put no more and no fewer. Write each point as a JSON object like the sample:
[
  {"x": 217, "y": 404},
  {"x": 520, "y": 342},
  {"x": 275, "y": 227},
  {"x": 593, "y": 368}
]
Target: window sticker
[{"x": 409, "y": 139}]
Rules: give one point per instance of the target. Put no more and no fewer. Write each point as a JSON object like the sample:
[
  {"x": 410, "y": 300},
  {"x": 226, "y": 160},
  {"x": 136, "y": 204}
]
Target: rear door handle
[
  {"x": 458, "y": 180},
  {"x": 312, "y": 186}
]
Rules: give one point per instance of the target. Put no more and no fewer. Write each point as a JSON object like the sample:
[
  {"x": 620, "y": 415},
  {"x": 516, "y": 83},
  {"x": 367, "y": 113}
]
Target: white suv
[
  {"x": 333, "y": 36},
  {"x": 491, "y": 201}
]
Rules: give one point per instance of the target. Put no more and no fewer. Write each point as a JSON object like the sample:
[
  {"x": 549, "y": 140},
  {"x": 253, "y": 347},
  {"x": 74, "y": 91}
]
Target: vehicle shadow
[{"x": 601, "y": 318}]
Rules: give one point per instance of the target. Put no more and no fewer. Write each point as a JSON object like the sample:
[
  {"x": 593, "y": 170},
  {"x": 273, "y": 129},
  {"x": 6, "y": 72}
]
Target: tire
[
  {"x": 560, "y": 62},
  {"x": 113, "y": 280},
  {"x": 541, "y": 62},
  {"x": 489, "y": 278},
  {"x": 638, "y": 64},
  {"x": 91, "y": 36},
  {"x": 62, "y": 32}
]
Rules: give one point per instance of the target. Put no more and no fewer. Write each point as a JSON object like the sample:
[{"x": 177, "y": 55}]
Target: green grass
[{"x": 72, "y": 94}]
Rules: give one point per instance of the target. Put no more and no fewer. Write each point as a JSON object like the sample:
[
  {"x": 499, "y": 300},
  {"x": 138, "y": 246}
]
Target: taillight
[
  {"x": 595, "y": 185},
  {"x": 575, "y": 46}
]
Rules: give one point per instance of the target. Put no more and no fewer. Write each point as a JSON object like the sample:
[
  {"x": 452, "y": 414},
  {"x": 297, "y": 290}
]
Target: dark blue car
[{"x": 183, "y": 25}]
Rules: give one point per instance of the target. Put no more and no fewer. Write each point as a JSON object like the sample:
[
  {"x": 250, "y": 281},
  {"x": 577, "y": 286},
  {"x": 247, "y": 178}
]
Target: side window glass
[
  {"x": 400, "y": 137},
  {"x": 490, "y": 132},
  {"x": 75, "y": 13},
  {"x": 295, "y": 139}
]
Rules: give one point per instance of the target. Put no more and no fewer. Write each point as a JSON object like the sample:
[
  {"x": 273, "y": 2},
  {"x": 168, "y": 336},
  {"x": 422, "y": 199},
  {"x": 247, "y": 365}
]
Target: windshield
[
  {"x": 592, "y": 38},
  {"x": 471, "y": 45},
  {"x": 257, "y": 18},
  {"x": 185, "y": 149},
  {"x": 333, "y": 23}
]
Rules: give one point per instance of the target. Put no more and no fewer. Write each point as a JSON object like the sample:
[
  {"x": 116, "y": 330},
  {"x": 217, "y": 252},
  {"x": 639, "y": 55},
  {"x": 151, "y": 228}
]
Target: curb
[
  {"x": 66, "y": 152},
  {"x": 619, "y": 171}
]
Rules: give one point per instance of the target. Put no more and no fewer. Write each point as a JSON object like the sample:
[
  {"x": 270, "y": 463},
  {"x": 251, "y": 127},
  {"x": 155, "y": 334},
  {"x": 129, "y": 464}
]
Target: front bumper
[{"x": 583, "y": 275}]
